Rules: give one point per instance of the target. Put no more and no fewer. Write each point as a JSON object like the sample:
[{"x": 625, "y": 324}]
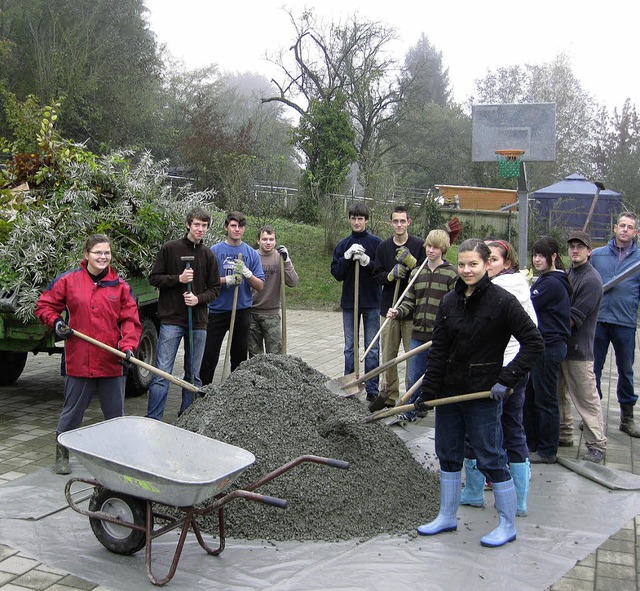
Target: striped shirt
[{"x": 424, "y": 298}]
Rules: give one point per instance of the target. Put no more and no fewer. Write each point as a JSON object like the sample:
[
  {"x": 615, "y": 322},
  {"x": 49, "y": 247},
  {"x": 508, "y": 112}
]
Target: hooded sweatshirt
[{"x": 551, "y": 297}]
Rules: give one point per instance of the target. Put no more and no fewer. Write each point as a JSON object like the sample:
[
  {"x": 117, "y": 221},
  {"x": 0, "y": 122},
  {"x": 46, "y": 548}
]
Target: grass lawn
[{"x": 317, "y": 290}]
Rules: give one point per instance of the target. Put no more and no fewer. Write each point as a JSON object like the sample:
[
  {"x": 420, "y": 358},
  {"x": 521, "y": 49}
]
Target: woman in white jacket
[{"x": 503, "y": 271}]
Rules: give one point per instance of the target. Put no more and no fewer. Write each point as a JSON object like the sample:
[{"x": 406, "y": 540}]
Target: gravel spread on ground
[{"x": 278, "y": 408}]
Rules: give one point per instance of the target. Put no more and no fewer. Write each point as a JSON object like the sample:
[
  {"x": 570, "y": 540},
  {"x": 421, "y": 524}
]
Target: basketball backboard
[{"x": 527, "y": 126}]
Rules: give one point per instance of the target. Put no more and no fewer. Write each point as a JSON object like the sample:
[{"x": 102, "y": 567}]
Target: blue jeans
[
  {"x": 168, "y": 343},
  {"x": 370, "y": 318},
  {"x": 479, "y": 422},
  {"x": 623, "y": 339},
  {"x": 542, "y": 406}
]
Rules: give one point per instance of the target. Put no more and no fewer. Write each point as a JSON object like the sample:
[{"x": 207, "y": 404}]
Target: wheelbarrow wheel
[{"x": 119, "y": 539}]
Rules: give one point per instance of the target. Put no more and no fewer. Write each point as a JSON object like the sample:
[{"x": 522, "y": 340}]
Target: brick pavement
[{"x": 29, "y": 410}]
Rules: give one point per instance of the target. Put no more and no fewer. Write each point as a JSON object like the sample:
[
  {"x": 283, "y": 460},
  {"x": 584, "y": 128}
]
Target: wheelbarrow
[{"x": 143, "y": 466}]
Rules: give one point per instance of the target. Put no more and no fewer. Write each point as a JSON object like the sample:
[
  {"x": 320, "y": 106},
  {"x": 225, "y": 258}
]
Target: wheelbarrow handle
[{"x": 167, "y": 376}]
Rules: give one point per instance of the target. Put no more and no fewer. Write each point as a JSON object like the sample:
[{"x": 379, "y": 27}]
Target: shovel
[
  {"x": 139, "y": 363},
  {"x": 226, "y": 368},
  {"x": 283, "y": 306},
  {"x": 356, "y": 321},
  {"x": 379, "y": 402},
  {"x": 383, "y": 414},
  {"x": 350, "y": 385},
  {"x": 396, "y": 303}
]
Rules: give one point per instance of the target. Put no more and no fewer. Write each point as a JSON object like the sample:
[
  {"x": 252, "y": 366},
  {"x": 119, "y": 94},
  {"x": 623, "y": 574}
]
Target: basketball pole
[{"x": 523, "y": 217}]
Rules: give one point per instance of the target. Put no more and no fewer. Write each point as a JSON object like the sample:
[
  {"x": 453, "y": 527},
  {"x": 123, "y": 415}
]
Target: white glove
[
  {"x": 284, "y": 253},
  {"x": 234, "y": 279},
  {"x": 363, "y": 258},
  {"x": 243, "y": 269},
  {"x": 353, "y": 249}
]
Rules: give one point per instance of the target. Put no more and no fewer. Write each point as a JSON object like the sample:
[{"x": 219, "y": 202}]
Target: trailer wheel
[
  {"x": 138, "y": 378},
  {"x": 119, "y": 539},
  {"x": 12, "y": 363}
]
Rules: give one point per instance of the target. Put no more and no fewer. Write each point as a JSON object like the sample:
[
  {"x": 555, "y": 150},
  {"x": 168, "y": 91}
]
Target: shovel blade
[{"x": 345, "y": 385}]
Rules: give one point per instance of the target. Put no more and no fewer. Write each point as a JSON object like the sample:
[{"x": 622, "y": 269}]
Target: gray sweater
[{"x": 585, "y": 304}]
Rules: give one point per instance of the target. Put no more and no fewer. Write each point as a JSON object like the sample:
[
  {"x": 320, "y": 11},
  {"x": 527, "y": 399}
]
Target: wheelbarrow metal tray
[{"x": 156, "y": 461}]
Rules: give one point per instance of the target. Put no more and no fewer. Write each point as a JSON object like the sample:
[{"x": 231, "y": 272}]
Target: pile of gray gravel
[{"x": 278, "y": 408}]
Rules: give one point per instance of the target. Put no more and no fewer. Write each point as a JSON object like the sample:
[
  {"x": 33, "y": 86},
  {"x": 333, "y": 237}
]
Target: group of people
[
  {"x": 530, "y": 352},
  {"x": 520, "y": 356},
  {"x": 200, "y": 290}
]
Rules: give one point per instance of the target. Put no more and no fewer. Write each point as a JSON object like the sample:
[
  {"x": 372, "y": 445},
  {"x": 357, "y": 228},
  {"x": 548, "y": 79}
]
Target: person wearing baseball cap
[{"x": 577, "y": 381}]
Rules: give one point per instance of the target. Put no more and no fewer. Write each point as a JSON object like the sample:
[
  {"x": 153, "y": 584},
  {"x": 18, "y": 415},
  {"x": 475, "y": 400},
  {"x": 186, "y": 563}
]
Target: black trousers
[{"x": 218, "y": 326}]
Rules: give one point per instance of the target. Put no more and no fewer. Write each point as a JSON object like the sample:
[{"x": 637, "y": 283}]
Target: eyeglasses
[{"x": 100, "y": 253}]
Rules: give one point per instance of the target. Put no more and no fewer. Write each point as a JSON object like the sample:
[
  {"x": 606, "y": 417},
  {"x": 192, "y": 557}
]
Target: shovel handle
[
  {"x": 138, "y": 362},
  {"x": 283, "y": 306},
  {"x": 387, "y": 364},
  {"x": 404, "y": 293},
  {"x": 382, "y": 414},
  {"x": 411, "y": 391}
]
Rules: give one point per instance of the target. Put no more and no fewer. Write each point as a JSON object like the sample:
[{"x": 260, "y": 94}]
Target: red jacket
[{"x": 106, "y": 311}]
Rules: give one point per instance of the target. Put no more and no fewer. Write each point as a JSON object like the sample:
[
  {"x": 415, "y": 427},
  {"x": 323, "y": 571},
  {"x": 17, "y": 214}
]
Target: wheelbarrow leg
[
  {"x": 208, "y": 549},
  {"x": 178, "y": 552}
]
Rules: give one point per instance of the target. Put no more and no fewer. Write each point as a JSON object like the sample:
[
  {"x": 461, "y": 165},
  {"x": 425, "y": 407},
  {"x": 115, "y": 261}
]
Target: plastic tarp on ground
[{"x": 569, "y": 517}]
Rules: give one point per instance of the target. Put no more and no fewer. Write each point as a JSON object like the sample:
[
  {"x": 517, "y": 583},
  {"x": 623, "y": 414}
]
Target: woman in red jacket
[{"x": 100, "y": 304}]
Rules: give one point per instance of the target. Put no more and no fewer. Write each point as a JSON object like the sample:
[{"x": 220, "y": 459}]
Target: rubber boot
[
  {"x": 506, "y": 504},
  {"x": 473, "y": 491},
  {"x": 627, "y": 424},
  {"x": 62, "y": 460},
  {"x": 449, "y": 501},
  {"x": 521, "y": 473}
]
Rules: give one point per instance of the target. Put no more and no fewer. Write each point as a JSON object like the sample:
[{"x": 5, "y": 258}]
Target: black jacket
[
  {"x": 469, "y": 339},
  {"x": 206, "y": 282}
]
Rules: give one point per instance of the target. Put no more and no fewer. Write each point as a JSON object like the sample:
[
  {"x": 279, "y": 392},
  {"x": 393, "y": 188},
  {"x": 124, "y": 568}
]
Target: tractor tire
[
  {"x": 118, "y": 539},
  {"x": 138, "y": 378}
]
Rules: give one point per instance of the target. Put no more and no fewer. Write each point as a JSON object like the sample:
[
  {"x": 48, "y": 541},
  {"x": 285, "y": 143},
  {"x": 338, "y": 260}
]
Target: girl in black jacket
[{"x": 474, "y": 324}]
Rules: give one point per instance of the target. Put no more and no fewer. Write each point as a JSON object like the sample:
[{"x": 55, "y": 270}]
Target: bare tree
[{"x": 349, "y": 58}]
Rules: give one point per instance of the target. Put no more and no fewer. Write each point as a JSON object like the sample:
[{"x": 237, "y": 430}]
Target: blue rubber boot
[
  {"x": 521, "y": 474},
  {"x": 473, "y": 491},
  {"x": 449, "y": 501},
  {"x": 506, "y": 504}
]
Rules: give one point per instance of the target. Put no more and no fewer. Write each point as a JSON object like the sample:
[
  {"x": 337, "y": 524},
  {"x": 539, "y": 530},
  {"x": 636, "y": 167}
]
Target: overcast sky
[{"x": 601, "y": 39}]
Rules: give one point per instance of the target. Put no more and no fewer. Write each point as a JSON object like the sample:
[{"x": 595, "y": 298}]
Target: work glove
[
  {"x": 500, "y": 392},
  {"x": 126, "y": 360},
  {"x": 454, "y": 228},
  {"x": 284, "y": 253},
  {"x": 62, "y": 329},
  {"x": 398, "y": 272},
  {"x": 352, "y": 250},
  {"x": 420, "y": 406},
  {"x": 242, "y": 269},
  {"x": 404, "y": 257},
  {"x": 234, "y": 279},
  {"x": 362, "y": 257}
]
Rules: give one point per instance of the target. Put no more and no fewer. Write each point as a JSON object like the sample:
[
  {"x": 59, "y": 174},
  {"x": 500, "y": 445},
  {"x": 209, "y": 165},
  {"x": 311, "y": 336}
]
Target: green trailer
[{"x": 18, "y": 339}]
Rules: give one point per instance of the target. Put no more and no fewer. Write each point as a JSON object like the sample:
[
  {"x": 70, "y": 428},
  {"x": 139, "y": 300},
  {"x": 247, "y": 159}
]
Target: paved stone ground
[{"x": 29, "y": 411}]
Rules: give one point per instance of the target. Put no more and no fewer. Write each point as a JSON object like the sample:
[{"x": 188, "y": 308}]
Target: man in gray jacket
[{"x": 577, "y": 381}]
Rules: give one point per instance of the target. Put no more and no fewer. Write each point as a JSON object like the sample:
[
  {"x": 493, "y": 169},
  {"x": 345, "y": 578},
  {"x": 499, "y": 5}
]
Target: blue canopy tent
[{"x": 566, "y": 204}]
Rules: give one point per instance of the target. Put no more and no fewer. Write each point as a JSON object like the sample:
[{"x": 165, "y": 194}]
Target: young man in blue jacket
[
  {"x": 359, "y": 248},
  {"x": 619, "y": 313}
]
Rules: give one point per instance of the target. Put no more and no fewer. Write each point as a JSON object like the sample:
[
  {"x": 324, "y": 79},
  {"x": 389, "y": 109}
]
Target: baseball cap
[{"x": 580, "y": 236}]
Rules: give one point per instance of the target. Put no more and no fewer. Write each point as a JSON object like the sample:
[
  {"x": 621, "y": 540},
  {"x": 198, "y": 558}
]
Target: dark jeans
[
  {"x": 218, "y": 326},
  {"x": 514, "y": 439},
  {"x": 623, "y": 339},
  {"x": 479, "y": 422},
  {"x": 542, "y": 407}
]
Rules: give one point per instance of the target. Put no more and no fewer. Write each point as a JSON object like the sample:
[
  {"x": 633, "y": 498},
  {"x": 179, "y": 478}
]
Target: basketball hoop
[{"x": 509, "y": 162}]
